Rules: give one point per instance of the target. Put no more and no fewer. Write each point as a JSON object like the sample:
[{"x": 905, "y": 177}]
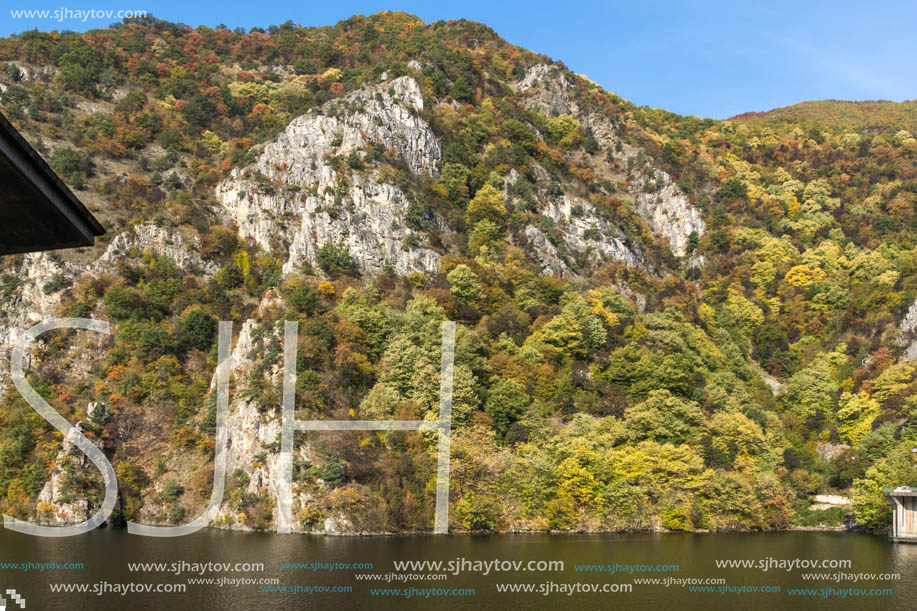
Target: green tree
[
  {"x": 462, "y": 90},
  {"x": 464, "y": 285},
  {"x": 198, "y": 329},
  {"x": 124, "y": 303},
  {"x": 453, "y": 183},
  {"x": 68, "y": 161},
  {"x": 302, "y": 295},
  {"x": 335, "y": 260},
  {"x": 732, "y": 189},
  {"x": 812, "y": 390},
  {"x": 230, "y": 276},
  {"x": 379, "y": 403},
  {"x": 506, "y": 403},
  {"x": 171, "y": 491},
  {"x": 663, "y": 418},
  {"x": 733, "y": 435},
  {"x": 562, "y": 128},
  {"x": 477, "y": 512},
  {"x": 156, "y": 342},
  {"x": 332, "y": 473},
  {"x": 199, "y": 111}
]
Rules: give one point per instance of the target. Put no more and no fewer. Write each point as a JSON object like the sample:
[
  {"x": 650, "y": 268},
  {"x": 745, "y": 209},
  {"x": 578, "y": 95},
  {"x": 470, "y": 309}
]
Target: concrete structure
[
  {"x": 37, "y": 211},
  {"x": 904, "y": 519}
]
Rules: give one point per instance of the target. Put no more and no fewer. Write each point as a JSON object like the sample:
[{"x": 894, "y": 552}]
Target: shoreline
[{"x": 519, "y": 532}]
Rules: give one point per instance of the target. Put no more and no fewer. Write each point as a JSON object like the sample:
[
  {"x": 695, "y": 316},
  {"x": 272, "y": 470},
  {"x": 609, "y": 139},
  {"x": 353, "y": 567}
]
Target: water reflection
[{"x": 106, "y": 554}]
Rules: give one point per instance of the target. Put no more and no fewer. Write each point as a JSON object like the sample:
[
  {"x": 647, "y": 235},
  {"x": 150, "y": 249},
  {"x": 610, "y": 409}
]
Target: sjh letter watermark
[{"x": 289, "y": 424}]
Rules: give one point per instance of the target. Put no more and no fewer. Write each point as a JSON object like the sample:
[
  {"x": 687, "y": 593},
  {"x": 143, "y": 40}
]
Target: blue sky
[{"x": 713, "y": 59}]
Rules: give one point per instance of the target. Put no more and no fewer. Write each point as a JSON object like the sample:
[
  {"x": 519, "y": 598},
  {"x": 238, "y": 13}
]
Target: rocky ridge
[
  {"x": 292, "y": 201},
  {"x": 664, "y": 207}
]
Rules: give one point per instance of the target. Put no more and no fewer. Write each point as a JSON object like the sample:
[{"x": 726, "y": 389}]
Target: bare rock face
[
  {"x": 254, "y": 429},
  {"x": 169, "y": 242},
  {"x": 294, "y": 200},
  {"x": 574, "y": 229},
  {"x": 31, "y": 73},
  {"x": 836, "y": 500},
  {"x": 30, "y": 303},
  {"x": 56, "y": 505},
  {"x": 548, "y": 90},
  {"x": 830, "y": 451},
  {"x": 907, "y": 336},
  {"x": 665, "y": 208},
  {"x": 585, "y": 231},
  {"x": 669, "y": 214},
  {"x": 55, "y": 509}
]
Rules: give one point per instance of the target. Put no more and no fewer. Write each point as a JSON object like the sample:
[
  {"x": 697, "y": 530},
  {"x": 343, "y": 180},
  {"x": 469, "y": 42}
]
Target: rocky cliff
[
  {"x": 295, "y": 200},
  {"x": 371, "y": 170},
  {"x": 662, "y": 204}
]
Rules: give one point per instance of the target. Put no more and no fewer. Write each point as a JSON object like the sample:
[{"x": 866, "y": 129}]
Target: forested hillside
[{"x": 663, "y": 321}]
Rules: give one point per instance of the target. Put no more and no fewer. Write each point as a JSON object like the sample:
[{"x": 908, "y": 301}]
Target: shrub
[
  {"x": 171, "y": 491},
  {"x": 805, "y": 516},
  {"x": 462, "y": 90},
  {"x": 488, "y": 203},
  {"x": 355, "y": 161},
  {"x": 677, "y": 518},
  {"x": 12, "y": 71},
  {"x": 199, "y": 111},
  {"x": 56, "y": 283},
  {"x": 506, "y": 403},
  {"x": 733, "y": 189},
  {"x": 67, "y": 161},
  {"x": 218, "y": 241},
  {"x": 334, "y": 259},
  {"x": 124, "y": 304},
  {"x": 230, "y": 276},
  {"x": 198, "y": 329},
  {"x": 176, "y": 514},
  {"x": 302, "y": 296},
  {"x": 333, "y": 471},
  {"x": 155, "y": 342},
  {"x": 476, "y": 512}
]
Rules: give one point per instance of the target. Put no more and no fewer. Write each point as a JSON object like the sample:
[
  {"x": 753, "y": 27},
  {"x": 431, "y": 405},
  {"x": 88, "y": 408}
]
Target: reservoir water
[{"x": 106, "y": 556}]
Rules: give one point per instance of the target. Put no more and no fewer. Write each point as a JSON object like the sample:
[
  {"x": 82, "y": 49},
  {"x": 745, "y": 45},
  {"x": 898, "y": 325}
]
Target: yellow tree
[{"x": 488, "y": 203}]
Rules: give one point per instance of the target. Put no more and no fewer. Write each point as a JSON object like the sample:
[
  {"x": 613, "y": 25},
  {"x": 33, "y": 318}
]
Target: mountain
[
  {"x": 877, "y": 116},
  {"x": 663, "y": 322}
]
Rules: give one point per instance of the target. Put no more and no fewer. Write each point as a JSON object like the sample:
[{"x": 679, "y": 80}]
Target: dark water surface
[{"x": 105, "y": 555}]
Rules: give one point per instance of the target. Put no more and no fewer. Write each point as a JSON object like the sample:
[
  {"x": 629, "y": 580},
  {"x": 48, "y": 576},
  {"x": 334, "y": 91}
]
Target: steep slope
[
  {"x": 362, "y": 212},
  {"x": 663, "y": 322},
  {"x": 663, "y": 206}
]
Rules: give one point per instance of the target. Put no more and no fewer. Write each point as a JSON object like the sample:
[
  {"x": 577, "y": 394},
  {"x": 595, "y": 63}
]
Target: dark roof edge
[{"x": 37, "y": 169}]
